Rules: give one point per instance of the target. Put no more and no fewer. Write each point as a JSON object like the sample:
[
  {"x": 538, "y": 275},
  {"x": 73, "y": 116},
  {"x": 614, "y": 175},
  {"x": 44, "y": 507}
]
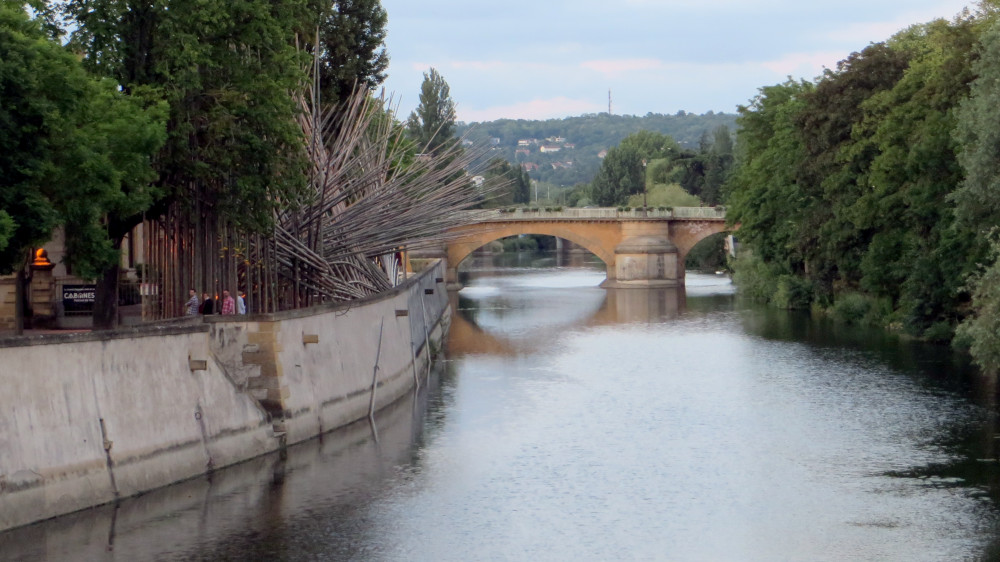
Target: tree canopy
[
  {"x": 432, "y": 124},
  {"x": 225, "y": 71},
  {"x": 74, "y": 152},
  {"x": 846, "y": 187},
  {"x": 352, "y": 48}
]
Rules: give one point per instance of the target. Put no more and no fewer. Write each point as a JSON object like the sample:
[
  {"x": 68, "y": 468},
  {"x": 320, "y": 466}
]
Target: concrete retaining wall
[{"x": 88, "y": 418}]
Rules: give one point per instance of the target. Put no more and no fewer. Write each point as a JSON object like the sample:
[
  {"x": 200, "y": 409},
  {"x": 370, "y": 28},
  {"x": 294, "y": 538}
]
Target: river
[{"x": 569, "y": 422}]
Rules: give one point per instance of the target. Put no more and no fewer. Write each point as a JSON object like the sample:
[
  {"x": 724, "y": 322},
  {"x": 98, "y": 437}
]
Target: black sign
[{"x": 78, "y": 298}]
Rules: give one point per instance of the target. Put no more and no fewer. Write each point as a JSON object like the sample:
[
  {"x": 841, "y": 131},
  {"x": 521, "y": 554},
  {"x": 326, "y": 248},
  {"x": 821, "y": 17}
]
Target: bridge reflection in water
[{"x": 617, "y": 306}]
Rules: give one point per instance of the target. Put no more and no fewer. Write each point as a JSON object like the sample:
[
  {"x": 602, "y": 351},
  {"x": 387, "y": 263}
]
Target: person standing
[
  {"x": 207, "y": 304},
  {"x": 228, "y": 304},
  {"x": 241, "y": 304},
  {"x": 192, "y": 303}
]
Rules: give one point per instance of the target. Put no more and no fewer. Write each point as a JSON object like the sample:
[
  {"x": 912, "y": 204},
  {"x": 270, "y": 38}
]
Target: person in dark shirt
[{"x": 207, "y": 305}]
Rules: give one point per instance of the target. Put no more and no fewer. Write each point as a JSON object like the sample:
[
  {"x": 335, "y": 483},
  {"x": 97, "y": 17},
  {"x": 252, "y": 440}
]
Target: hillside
[{"x": 566, "y": 151}]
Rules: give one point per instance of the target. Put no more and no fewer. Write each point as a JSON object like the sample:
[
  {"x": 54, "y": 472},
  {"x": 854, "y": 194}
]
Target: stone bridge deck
[{"x": 641, "y": 248}]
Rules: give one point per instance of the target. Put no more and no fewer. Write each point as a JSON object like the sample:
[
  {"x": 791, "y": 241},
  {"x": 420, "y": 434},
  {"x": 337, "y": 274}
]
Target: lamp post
[{"x": 645, "y": 208}]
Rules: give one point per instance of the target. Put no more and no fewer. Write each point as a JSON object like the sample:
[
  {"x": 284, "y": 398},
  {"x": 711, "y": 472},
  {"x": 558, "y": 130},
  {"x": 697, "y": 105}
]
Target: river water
[{"x": 570, "y": 422}]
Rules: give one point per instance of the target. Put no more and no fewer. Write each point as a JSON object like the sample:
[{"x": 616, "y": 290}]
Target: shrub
[
  {"x": 753, "y": 278},
  {"x": 793, "y": 292},
  {"x": 939, "y": 332},
  {"x": 851, "y": 308},
  {"x": 980, "y": 331}
]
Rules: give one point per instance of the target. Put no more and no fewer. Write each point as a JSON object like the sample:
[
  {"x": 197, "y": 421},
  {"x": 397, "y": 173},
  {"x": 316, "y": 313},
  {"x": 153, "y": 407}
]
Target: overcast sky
[{"x": 540, "y": 59}]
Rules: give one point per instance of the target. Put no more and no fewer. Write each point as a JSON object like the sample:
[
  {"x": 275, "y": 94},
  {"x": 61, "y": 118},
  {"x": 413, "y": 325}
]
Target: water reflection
[
  {"x": 572, "y": 422},
  {"x": 275, "y": 507}
]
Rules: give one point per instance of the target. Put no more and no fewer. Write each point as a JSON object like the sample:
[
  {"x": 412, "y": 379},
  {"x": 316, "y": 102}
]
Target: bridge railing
[{"x": 571, "y": 213}]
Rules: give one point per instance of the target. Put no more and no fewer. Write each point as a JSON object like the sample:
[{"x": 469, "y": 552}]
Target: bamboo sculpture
[{"x": 367, "y": 200}]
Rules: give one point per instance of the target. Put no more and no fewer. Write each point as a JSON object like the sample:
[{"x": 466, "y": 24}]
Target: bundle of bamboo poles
[{"x": 368, "y": 199}]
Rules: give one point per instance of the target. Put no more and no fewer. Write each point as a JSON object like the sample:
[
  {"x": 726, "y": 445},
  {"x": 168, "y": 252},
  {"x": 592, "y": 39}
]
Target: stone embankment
[{"x": 86, "y": 419}]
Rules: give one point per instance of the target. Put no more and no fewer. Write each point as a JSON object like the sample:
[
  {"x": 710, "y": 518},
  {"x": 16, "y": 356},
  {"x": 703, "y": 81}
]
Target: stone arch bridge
[{"x": 640, "y": 248}]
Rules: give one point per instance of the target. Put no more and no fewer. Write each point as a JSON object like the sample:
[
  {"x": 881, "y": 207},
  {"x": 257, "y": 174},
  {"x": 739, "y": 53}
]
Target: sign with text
[{"x": 78, "y": 298}]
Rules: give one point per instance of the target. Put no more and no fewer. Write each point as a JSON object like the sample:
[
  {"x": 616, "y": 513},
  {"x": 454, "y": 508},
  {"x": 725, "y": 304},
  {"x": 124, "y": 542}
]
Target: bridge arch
[{"x": 598, "y": 239}]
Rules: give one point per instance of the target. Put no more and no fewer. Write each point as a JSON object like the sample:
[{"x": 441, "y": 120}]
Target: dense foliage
[
  {"x": 352, "y": 47},
  {"x": 586, "y": 136},
  {"x": 432, "y": 124},
  {"x": 647, "y": 162},
  {"x": 74, "y": 150},
  {"x": 510, "y": 184},
  {"x": 870, "y": 191}
]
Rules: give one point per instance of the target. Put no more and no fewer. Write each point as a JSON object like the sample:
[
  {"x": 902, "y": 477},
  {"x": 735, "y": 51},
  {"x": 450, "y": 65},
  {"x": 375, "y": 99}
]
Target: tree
[
  {"x": 718, "y": 165},
  {"x": 509, "y": 182},
  {"x": 621, "y": 174},
  {"x": 651, "y": 145},
  {"x": 75, "y": 151},
  {"x": 352, "y": 48},
  {"x": 978, "y": 197},
  {"x": 432, "y": 124},
  {"x": 978, "y": 132},
  {"x": 764, "y": 197},
  {"x": 914, "y": 172},
  {"x": 234, "y": 151}
]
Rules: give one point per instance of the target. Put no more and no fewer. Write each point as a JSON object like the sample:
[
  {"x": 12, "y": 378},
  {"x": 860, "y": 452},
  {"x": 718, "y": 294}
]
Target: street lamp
[{"x": 645, "y": 208}]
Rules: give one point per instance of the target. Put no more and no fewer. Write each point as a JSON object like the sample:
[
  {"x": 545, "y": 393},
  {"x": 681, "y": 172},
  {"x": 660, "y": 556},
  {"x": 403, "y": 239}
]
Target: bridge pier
[{"x": 643, "y": 262}]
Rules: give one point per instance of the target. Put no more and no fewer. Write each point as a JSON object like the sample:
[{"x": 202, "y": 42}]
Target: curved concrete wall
[{"x": 88, "y": 418}]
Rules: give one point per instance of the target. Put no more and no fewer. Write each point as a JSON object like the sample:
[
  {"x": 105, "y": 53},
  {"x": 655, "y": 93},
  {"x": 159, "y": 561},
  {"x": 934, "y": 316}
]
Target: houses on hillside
[{"x": 548, "y": 146}]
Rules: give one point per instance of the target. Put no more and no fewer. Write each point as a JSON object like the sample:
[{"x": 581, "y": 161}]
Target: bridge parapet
[{"x": 596, "y": 213}]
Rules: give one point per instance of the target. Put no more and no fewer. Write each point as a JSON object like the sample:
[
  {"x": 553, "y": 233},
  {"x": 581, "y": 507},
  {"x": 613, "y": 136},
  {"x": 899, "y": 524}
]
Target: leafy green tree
[
  {"x": 978, "y": 197},
  {"x": 836, "y": 158},
  {"x": 980, "y": 332},
  {"x": 846, "y": 184},
  {"x": 432, "y": 124},
  {"x": 75, "y": 151},
  {"x": 509, "y": 181},
  {"x": 915, "y": 170},
  {"x": 352, "y": 48},
  {"x": 718, "y": 165},
  {"x": 978, "y": 133},
  {"x": 621, "y": 174},
  {"x": 651, "y": 145},
  {"x": 764, "y": 196},
  {"x": 225, "y": 71}
]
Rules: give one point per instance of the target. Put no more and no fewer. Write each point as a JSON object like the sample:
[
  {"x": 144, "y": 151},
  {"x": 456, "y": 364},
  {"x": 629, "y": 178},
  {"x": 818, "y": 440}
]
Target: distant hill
[{"x": 566, "y": 151}]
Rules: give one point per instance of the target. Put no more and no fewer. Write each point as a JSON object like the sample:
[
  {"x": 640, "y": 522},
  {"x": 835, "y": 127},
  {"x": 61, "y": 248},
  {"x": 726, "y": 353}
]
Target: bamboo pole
[{"x": 378, "y": 354}]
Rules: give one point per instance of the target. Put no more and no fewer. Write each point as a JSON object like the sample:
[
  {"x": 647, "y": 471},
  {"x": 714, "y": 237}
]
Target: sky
[{"x": 543, "y": 59}]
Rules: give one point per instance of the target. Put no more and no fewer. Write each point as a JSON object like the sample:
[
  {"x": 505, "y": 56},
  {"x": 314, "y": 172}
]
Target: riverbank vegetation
[
  {"x": 244, "y": 138},
  {"x": 870, "y": 193}
]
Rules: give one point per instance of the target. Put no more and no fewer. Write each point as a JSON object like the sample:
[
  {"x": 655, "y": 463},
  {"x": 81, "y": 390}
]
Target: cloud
[
  {"x": 534, "y": 109},
  {"x": 493, "y": 66},
  {"x": 862, "y": 33},
  {"x": 616, "y": 67},
  {"x": 805, "y": 65}
]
